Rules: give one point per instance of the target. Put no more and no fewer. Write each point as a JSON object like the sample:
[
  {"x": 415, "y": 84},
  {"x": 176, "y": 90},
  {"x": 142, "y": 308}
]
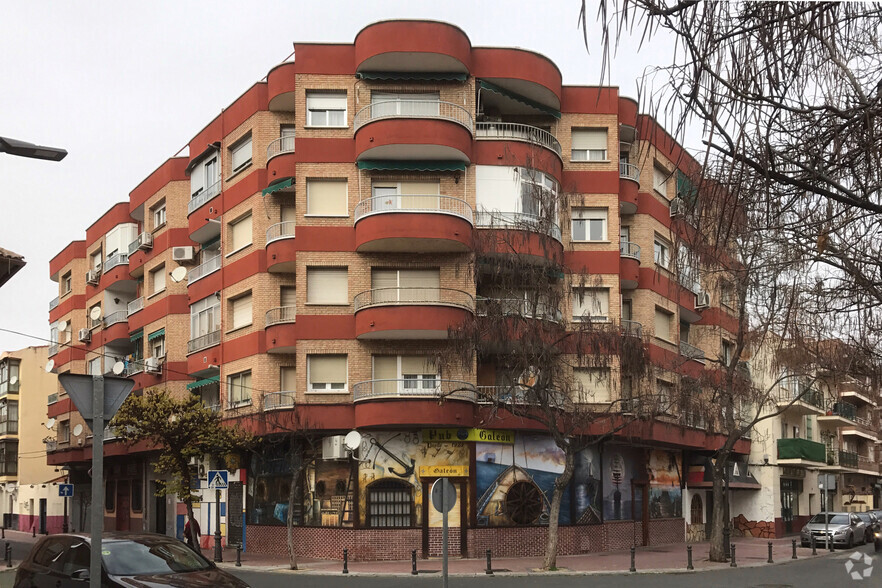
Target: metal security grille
[{"x": 390, "y": 504}]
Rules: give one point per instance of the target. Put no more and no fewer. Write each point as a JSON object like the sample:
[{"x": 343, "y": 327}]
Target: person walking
[{"x": 192, "y": 534}]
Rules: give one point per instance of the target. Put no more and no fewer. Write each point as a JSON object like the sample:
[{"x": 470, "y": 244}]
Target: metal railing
[
  {"x": 518, "y": 132},
  {"x": 434, "y": 109},
  {"x": 115, "y": 260},
  {"x": 279, "y": 146},
  {"x": 120, "y": 316},
  {"x": 53, "y": 304},
  {"x": 867, "y": 463},
  {"x": 812, "y": 397},
  {"x": 135, "y": 305},
  {"x": 629, "y": 171},
  {"x": 204, "y": 341},
  {"x": 843, "y": 409},
  {"x": 629, "y": 249},
  {"x": 516, "y": 395},
  {"x": 208, "y": 267},
  {"x": 281, "y": 314},
  {"x": 143, "y": 238},
  {"x": 213, "y": 406},
  {"x": 274, "y": 400},
  {"x": 203, "y": 196},
  {"x": 632, "y": 328},
  {"x": 414, "y": 203},
  {"x": 52, "y": 398},
  {"x": 53, "y": 349},
  {"x": 518, "y": 221},
  {"x": 414, "y": 388},
  {"x": 284, "y": 230},
  {"x": 413, "y": 296},
  {"x": 136, "y": 366},
  {"x": 691, "y": 351},
  {"x": 516, "y": 307},
  {"x": 865, "y": 422},
  {"x": 846, "y": 459}
]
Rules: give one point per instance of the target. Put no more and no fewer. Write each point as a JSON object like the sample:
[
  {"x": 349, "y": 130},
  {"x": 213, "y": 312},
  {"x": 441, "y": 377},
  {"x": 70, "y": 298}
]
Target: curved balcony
[
  {"x": 436, "y": 389},
  {"x": 420, "y": 109},
  {"x": 205, "y": 268},
  {"x": 284, "y": 230},
  {"x": 629, "y": 250},
  {"x": 632, "y": 329},
  {"x": 281, "y": 315},
  {"x": 629, "y": 185},
  {"x": 417, "y": 223},
  {"x": 135, "y": 305},
  {"x": 281, "y": 82},
  {"x": 279, "y": 146},
  {"x": 412, "y": 46},
  {"x": 517, "y": 307},
  {"x": 518, "y": 221},
  {"x": 692, "y": 352},
  {"x": 507, "y": 131},
  {"x": 281, "y": 249},
  {"x": 115, "y": 260},
  {"x": 203, "y": 196},
  {"x": 120, "y": 316},
  {"x": 280, "y": 334},
  {"x": 404, "y": 313},
  {"x": 530, "y": 236},
  {"x": 629, "y": 265},
  {"x": 277, "y": 400}
]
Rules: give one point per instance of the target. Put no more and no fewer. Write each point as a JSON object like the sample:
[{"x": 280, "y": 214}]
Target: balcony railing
[
  {"x": 203, "y": 196},
  {"x": 691, "y": 351},
  {"x": 867, "y": 463},
  {"x": 120, "y": 316},
  {"x": 135, "y": 366},
  {"x": 801, "y": 449},
  {"x": 53, "y": 349},
  {"x": 414, "y": 203},
  {"x": 274, "y": 400},
  {"x": 135, "y": 305},
  {"x": 53, "y": 304},
  {"x": 519, "y": 307},
  {"x": 208, "y": 267},
  {"x": 812, "y": 397},
  {"x": 433, "y": 109},
  {"x": 515, "y": 395},
  {"x": 843, "y": 409},
  {"x": 518, "y": 221},
  {"x": 839, "y": 457},
  {"x": 413, "y": 296},
  {"x": 632, "y": 328},
  {"x": 280, "y": 146},
  {"x": 8, "y": 427},
  {"x": 628, "y": 249},
  {"x": 509, "y": 131},
  {"x": 281, "y": 314},
  {"x": 115, "y": 260},
  {"x": 278, "y": 231},
  {"x": 414, "y": 388},
  {"x": 629, "y": 171},
  {"x": 204, "y": 341}
]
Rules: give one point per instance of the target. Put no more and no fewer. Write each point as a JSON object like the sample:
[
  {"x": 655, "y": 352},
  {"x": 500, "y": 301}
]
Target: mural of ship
[{"x": 513, "y": 498}]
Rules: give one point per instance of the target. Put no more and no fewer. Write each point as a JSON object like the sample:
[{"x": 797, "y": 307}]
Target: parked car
[
  {"x": 127, "y": 559},
  {"x": 871, "y": 522},
  {"x": 845, "y": 529}
]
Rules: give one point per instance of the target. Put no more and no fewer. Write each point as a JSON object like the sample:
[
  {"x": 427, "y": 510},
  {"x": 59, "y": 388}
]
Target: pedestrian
[{"x": 192, "y": 537}]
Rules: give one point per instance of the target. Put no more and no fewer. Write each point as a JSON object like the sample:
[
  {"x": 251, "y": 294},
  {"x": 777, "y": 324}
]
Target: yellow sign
[
  {"x": 483, "y": 435},
  {"x": 444, "y": 471}
]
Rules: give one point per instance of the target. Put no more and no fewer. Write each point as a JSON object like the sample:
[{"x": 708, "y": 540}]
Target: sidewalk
[{"x": 749, "y": 552}]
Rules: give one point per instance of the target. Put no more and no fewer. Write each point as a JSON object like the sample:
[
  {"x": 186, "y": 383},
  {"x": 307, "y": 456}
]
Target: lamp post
[{"x": 25, "y": 149}]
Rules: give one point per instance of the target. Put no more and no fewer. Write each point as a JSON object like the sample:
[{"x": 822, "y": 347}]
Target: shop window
[
  {"x": 110, "y": 495},
  {"x": 137, "y": 496},
  {"x": 390, "y": 504}
]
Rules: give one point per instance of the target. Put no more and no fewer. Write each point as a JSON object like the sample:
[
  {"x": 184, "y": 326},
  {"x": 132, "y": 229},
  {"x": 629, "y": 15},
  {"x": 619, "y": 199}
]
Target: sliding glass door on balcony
[
  {"x": 406, "y": 196},
  {"x": 389, "y": 104},
  {"x": 411, "y": 286}
]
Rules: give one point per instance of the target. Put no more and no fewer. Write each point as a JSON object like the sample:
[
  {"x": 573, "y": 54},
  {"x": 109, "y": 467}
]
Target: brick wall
[{"x": 329, "y": 542}]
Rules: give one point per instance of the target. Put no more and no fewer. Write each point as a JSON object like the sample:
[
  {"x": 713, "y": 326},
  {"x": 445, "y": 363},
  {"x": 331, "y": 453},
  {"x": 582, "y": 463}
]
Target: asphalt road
[{"x": 828, "y": 572}]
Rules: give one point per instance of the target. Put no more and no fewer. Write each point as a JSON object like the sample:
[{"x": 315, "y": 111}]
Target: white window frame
[
  {"x": 327, "y": 387},
  {"x": 420, "y": 381},
  {"x": 67, "y": 283},
  {"x": 234, "y": 382},
  {"x": 313, "y": 111},
  {"x": 660, "y": 179},
  {"x": 661, "y": 252},
  {"x": 586, "y": 216},
  {"x": 159, "y": 215},
  {"x": 587, "y": 295},
  {"x": 157, "y": 347},
  {"x": 582, "y": 155},
  {"x": 206, "y": 307},
  {"x": 237, "y": 150}
]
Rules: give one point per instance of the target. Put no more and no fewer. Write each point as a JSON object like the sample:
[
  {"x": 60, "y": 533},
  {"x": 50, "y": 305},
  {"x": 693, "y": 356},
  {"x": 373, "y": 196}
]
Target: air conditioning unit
[
  {"x": 333, "y": 448},
  {"x": 183, "y": 254},
  {"x": 92, "y": 277},
  {"x": 678, "y": 207},
  {"x": 702, "y": 300},
  {"x": 152, "y": 365},
  {"x": 85, "y": 335},
  {"x": 145, "y": 241}
]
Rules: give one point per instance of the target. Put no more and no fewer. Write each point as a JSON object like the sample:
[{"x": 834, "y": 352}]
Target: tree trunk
[
  {"x": 718, "y": 515},
  {"x": 292, "y": 496},
  {"x": 560, "y": 484}
]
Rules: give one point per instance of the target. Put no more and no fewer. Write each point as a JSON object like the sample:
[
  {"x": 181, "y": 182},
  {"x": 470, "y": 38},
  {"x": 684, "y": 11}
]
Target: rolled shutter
[
  {"x": 385, "y": 367},
  {"x": 241, "y": 233},
  {"x": 418, "y": 364},
  {"x": 327, "y": 369},
  {"x": 420, "y": 285},
  {"x": 241, "y": 154},
  {"x": 662, "y": 325},
  {"x": 326, "y": 198},
  {"x": 327, "y": 286},
  {"x": 288, "y": 296},
  {"x": 414, "y": 195},
  {"x": 593, "y": 383},
  {"x": 241, "y": 311},
  {"x": 288, "y": 379},
  {"x": 589, "y": 139},
  {"x": 326, "y": 101}
]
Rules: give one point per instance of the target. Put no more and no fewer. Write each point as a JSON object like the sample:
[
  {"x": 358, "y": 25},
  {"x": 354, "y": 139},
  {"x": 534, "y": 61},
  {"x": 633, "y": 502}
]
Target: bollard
[
  {"x": 726, "y": 543},
  {"x": 770, "y": 551},
  {"x": 830, "y": 542},
  {"x": 8, "y": 555},
  {"x": 413, "y": 562},
  {"x": 2, "y": 532},
  {"x": 732, "y": 551},
  {"x": 489, "y": 571},
  {"x": 689, "y": 565},
  {"x": 814, "y": 546},
  {"x": 345, "y": 561},
  {"x": 794, "y": 551},
  {"x": 633, "y": 566},
  {"x": 238, "y": 556},
  {"x": 33, "y": 531}
]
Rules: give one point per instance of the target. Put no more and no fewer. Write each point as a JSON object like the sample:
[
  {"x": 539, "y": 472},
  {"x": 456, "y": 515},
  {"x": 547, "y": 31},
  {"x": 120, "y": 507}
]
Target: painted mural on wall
[
  {"x": 620, "y": 466},
  {"x": 665, "y": 481},
  {"x": 587, "y": 487}
]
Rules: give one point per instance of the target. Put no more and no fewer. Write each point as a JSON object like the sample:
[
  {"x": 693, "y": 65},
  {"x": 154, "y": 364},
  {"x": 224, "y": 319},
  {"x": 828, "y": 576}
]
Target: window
[
  {"x": 93, "y": 322},
  {"x": 94, "y": 366},
  {"x": 390, "y": 504},
  {"x": 727, "y": 294},
  {"x": 592, "y": 384},
  {"x": 660, "y": 179},
  {"x": 157, "y": 345},
  {"x": 240, "y": 233},
  {"x": 536, "y": 188},
  {"x": 64, "y": 431},
  {"x": 286, "y": 132},
  {"x": 158, "y": 215},
  {"x": 117, "y": 240},
  {"x": 205, "y": 177},
  {"x": 327, "y": 198},
  {"x": 288, "y": 296},
  {"x": 407, "y": 286},
  {"x": 689, "y": 275},
  {"x": 137, "y": 502},
  {"x": 240, "y": 154},
  {"x": 664, "y": 392},
  {"x": 288, "y": 379},
  {"x": 591, "y": 304},
  {"x": 388, "y": 104},
  {"x": 66, "y": 283},
  {"x": 327, "y": 285},
  {"x": 327, "y": 372},
  {"x": 405, "y": 195},
  {"x": 110, "y": 495},
  {"x": 727, "y": 350},
  {"x": 589, "y": 224},
  {"x": 239, "y": 388},
  {"x": 157, "y": 279},
  {"x": 588, "y": 145},
  {"x": 663, "y": 324},
  {"x": 9, "y": 375},
  {"x": 204, "y": 316},
  {"x": 240, "y": 311},
  {"x": 8, "y": 458},
  {"x": 395, "y": 374},
  {"x": 95, "y": 260},
  {"x": 325, "y": 109},
  {"x": 808, "y": 427},
  {"x": 9, "y": 418},
  {"x": 662, "y": 250}
]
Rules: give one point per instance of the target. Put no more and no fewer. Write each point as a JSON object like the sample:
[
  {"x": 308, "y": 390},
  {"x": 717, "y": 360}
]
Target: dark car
[
  {"x": 872, "y": 524},
  {"x": 128, "y": 560}
]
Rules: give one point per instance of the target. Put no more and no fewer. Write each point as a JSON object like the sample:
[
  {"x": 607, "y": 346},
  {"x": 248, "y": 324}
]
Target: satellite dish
[
  {"x": 352, "y": 441},
  {"x": 119, "y": 367},
  {"x": 95, "y": 313},
  {"x": 62, "y": 326},
  {"x": 13, "y": 380},
  {"x": 50, "y": 423},
  {"x": 178, "y": 274},
  {"x": 50, "y": 365},
  {"x": 78, "y": 429}
]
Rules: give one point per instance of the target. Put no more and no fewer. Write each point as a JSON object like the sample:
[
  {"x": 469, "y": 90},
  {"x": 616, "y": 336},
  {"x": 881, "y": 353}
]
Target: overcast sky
[{"x": 123, "y": 86}]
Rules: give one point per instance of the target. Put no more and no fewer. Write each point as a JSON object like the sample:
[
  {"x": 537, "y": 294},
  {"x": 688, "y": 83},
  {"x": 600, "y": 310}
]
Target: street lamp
[{"x": 25, "y": 149}]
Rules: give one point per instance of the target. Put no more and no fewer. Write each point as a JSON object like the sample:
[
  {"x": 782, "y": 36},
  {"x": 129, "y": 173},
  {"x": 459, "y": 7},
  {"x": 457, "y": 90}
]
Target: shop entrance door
[
  {"x": 789, "y": 502},
  {"x": 457, "y": 521}
]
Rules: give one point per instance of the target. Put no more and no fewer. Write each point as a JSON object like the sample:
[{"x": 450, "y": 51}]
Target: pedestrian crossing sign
[{"x": 218, "y": 479}]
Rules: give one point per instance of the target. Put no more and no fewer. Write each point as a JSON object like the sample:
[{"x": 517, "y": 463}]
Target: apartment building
[{"x": 303, "y": 266}]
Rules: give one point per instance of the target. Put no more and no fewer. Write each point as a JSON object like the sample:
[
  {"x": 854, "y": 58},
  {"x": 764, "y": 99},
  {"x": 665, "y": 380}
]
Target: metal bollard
[
  {"x": 726, "y": 542},
  {"x": 733, "y": 564},
  {"x": 413, "y": 562},
  {"x": 238, "y": 556},
  {"x": 345, "y": 561},
  {"x": 794, "y": 551},
  {"x": 2, "y": 532},
  {"x": 33, "y": 531},
  {"x": 689, "y": 565},
  {"x": 770, "y": 552},
  {"x": 814, "y": 546},
  {"x": 489, "y": 571},
  {"x": 8, "y": 555},
  {"x": 633, "y": 566},
  {"x": 830, "y": 542}
]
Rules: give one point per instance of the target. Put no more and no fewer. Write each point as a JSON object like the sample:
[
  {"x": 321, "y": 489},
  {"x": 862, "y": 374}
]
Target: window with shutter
[
  {"x": 326, "y": 109},
  {"x": 406, "y": 286},
  {"x": 240, "y": 311},
  {"x": 589, "y": 224},
  {"x": 157, "y": 279},
  {"x": 593, "y": 384},
  {"x": 288, "y": 379},
  {"x": 326, "y": 198},
  {"x": 239, "y": 389},
  {"x": 288, "y": 296},
  {"x": 326, "y": 372},
  {"x": 327, "y": 285},
  {"x": 589, "y": 145},
  {"x": 240, "y": 154},
  {"x": 591, "y": 304},
  {"x": 396, "y": 104},
  {"x": 663, "y": 324},
  {"x": 660, "y": 179},
  {"x": 240, "y": 233}
]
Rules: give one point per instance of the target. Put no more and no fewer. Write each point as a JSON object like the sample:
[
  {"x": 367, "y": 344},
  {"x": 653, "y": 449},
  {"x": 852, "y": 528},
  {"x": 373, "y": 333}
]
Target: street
[{"x": 828, "y": 571}]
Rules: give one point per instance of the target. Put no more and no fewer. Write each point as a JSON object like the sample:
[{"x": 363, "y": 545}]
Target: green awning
[
  {"x": 136, "y": 336},
  {"x": 286, "y": 183},
  {"x": 156, "y": 334},
  {"x": 205, "y": 382},
  {"x": 518, "y": 98},
  {"x": 415, "y": 76},
  {"x": 413, "y": 165},
  {"x": 686, "y": 189}
]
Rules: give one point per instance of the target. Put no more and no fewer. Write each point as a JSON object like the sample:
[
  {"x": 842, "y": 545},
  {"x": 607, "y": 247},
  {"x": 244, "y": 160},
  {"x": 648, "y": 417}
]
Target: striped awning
[
  {"x": 136, "y": 336},
  {"x": 412, "y": 165},
  {"x": 286, "y": 183},
  {"x": 201, "y": 383},
  {"x": 518, "y": 98},
  {"x": 156, "y": 334},
  {"x": 414, "y": 76}
]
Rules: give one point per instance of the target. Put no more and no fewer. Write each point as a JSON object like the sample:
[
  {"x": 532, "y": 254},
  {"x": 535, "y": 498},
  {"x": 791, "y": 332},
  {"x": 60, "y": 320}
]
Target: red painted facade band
[
  {"x": 414, "y": 413},
  {"x": 384, "y": 228},
  {"x": 629, "y": 269},
  {"x": 63, "y": 406},
  {"x": 325, "y": 59},
  {"x": 281, "y": 251},
  {"x": 521, "y": 242},
  {"x": 376, "y": 319},
  {"x": 244, "y": 346},
  {"x": 517, "y": 64},
  {"x": 172, "y": 170},
  {"x": 312, "y": 238},
  {"x": 628, "y": 111},
  {"x": 202, "y": 359},
  {"x": 412, "y": 37},
  {"x": 282, "y": 79},
  {"x": 593, "y": 262},
  {"x": 324, "y": 327},
  {"x": 252, "y": 264},
  {"x": 118, "y": 214},
  {"x": 628, "y": 192},
  {"x": 206, "y": 286},
  {"x": 284, "y": 166},
  {"x": 176, "y": 237},
  {"x": 164, "y": 307},
  {"x": 74, "y": 250},
  {"x": 281, "y": 336},
  {"x": 245, "y": 106},
  {"x": 70, "y": 303},
  {"x": 323, "y": 150},
  {"x": 589, "y": 100},
  {"x": 590, "y": 182},
  {"x": 416, "y": 131},
  {"x": 520, "y": 154}
]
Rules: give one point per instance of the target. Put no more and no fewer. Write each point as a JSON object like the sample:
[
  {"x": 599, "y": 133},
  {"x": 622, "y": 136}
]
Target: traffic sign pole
[
  {"x": 97, "y": 527},
  {"x": 444, "y": 537}
]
